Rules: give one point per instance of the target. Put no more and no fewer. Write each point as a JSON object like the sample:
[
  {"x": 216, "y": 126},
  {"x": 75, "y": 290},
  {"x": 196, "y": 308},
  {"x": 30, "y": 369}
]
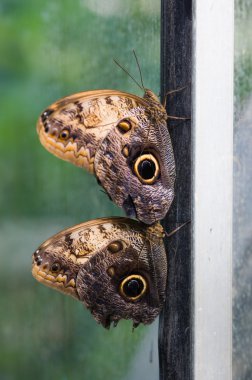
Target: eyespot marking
[
  {"x": 64, "y": 134},
  {"x": 125, "y": 151},
  {"x": 55, "y": 267},
  {"x": 147, "y": 169},
  {"x": 115, "y": 246},
  {"x": 124, "y": 126},
  {"x": 133, "y": 287}
]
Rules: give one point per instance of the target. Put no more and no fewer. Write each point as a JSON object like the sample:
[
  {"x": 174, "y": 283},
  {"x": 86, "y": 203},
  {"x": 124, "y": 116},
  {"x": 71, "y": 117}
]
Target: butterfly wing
[
  {"x": 115, "y": 266},
  {"x": 147, "y": 199},
  {"x": 73, "y": 127},
  {"x": 123, "y": 139}
]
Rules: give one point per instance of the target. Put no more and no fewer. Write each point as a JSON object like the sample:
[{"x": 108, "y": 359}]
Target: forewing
[{"x": 86, "y": 117}]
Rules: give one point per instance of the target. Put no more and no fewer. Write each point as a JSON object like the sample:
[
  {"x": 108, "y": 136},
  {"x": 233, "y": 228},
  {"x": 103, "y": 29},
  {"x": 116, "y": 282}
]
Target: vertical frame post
[
  {"x": 176, "y": 320},
  {"x": 212, "y": 195},
  {"x": 195, "y": 334}
]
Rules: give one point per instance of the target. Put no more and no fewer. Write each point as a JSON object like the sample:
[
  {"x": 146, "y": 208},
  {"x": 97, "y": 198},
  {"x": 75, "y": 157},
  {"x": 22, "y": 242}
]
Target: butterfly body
[
  {"x": 115, "y": 266},
  {"x": 122, "y": 139}
]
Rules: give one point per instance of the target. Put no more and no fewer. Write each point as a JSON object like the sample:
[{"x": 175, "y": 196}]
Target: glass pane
[
  {"x": 50, "y": 49},
  {"x": 242, "y": 259}
]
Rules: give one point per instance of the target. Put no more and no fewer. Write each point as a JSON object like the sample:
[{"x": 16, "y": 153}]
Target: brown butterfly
[
  {"x": 116, "y": 266},
  {"x": 121, "y": 138}
]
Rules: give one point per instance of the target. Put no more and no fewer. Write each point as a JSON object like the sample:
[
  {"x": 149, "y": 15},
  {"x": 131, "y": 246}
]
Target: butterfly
[
  {"x": 123, "y": 140},
  {"x": 115, "y": 266}
]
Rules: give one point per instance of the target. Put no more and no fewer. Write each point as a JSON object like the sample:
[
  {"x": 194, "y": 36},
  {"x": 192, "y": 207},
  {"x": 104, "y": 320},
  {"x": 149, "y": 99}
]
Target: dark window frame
[
  {"x": 195, "y": 335},
  {"x": 175, "y": 343}
]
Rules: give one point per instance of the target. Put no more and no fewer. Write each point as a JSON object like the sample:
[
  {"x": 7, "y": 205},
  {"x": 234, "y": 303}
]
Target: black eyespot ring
[
  {"x": 64, "y": 134},
  {"x": 55, "y": 267},
  {"x": 147, "y": 169},
  {"x": 124, "y": 126},
  {"x": 133, "y": 287}
]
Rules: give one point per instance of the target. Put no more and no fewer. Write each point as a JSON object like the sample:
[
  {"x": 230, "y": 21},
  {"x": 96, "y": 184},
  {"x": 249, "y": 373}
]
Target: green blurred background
[{"x": 49, "y": 49}]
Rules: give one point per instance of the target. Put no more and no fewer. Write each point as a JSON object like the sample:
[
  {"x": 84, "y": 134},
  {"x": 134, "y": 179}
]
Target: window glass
[
  {"x": 49, "y": 49},
  {"x": 242, "y": 258}
]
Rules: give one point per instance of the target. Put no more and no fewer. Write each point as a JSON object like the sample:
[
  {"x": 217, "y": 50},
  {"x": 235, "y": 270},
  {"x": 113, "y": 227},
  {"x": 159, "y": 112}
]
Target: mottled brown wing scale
[
  {"x": 86, "y": 268},
  {"x": 114, "y": 171},
  {"x": 84, "y": 261},
  {"x": 100, "y": 293},
  {"x": 95, "y": 142},
  {"x": 88, "y": 116}
]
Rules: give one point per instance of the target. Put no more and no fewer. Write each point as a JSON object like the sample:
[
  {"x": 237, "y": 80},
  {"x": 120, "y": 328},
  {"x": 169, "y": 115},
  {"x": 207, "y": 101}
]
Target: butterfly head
[
  {"x": 150, "y": 95},
  {"x": 154, "y": 101}
]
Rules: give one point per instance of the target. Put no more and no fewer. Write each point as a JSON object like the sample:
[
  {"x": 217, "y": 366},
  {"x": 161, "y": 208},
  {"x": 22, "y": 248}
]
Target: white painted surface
[{"x": 212, "y": 193}]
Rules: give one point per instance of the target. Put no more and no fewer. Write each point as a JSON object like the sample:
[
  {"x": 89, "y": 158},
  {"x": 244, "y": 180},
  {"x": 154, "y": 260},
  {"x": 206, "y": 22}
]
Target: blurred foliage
[
  {"x": 49, "y": 49},
  {"x": 243, "y": 51},
  {"x": 46, "y": 335}
]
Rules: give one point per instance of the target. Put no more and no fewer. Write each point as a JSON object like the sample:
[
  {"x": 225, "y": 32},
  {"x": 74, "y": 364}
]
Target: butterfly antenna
[
  {"x": 126, "y": 71},
  {"x": 139, "y": 68}
]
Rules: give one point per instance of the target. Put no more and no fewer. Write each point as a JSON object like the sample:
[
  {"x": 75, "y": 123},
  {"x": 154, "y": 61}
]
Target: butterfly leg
[
  {"x": 173, "y": 92},
  {"x": 176, "y": 229},
  {"x": 178, "y": 118},
  {"x": 165, "y": 102}
]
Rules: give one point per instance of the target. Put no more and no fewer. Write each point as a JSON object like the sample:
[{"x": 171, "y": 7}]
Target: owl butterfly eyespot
[
  {"x": 115, "y": 266},
  {"x": 123, "y": 139}
]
